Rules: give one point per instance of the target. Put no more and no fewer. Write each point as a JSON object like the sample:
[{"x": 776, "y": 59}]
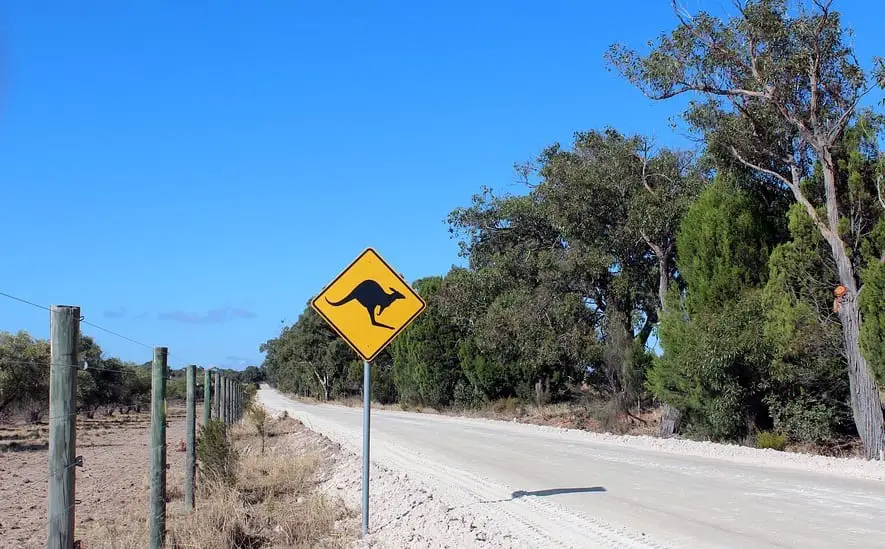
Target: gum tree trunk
[
  {"x": 671, "y": 417},
  {"x": 866, "y": 406}
]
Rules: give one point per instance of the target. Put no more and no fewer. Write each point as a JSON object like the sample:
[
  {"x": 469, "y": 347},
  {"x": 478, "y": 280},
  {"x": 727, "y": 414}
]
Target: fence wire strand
[
  {"x": 32, "y": 486},
  {"x": 25, "y": 301},
  {"x": 180, "y": 360}
]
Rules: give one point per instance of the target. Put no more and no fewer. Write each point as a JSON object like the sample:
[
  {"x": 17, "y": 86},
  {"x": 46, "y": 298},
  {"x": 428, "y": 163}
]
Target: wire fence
[{"x": 110, "y": 450}]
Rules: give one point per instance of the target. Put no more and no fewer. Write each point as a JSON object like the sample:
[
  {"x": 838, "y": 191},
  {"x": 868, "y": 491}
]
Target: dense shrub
[
  {"x": 767, "y": 439},
  {"x": 216, "y": 454}
]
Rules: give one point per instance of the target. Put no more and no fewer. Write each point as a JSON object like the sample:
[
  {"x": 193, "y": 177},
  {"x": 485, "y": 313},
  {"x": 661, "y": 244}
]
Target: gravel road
[{"x": 547, "y": 487}]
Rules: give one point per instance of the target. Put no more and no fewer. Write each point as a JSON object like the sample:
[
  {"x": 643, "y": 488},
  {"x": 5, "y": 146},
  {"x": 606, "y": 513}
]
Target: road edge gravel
[
  {"x": 460, "y": 500},
  {"x": 850, "y": 467}
]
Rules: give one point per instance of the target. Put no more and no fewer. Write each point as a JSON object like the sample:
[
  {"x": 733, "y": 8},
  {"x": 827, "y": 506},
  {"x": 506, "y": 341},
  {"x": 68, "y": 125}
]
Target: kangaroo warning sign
[{"x": 368, "y": 304}]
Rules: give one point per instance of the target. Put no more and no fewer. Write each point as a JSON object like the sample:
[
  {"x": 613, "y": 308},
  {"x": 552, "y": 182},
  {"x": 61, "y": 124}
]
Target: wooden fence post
[
  {"x": 220, "y": 397},
  {"x": 158, "y": 450},
  {"x": 206, "y": 394},
  {"x": 190, "y": 462},
  {"x": 224, "y": 399},
  {"x": 64, "y": 329},
  {"x": 217, "y": 403},
  {"x": 229, "y": 400}
]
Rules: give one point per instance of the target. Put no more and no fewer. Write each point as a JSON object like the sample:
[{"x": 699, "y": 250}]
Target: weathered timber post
[
  {"x": 207, "y": 392},
  {"x": 190, "y": 461},
  {"x": 217, "y": 402},
  {"x": 225, "y": 397},
  {"x": 64, "y": 329},
  {"x": 158, "y": 450},
  {"x": 225, "y": 402},
  {"x": 233, "y": 401},
  {"x": 221, "y": 404}
]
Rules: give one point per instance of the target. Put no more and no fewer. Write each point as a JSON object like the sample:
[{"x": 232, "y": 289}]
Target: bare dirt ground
[
  {"x": 286, "y": 497},
  {"x": 112, "y": 485}
]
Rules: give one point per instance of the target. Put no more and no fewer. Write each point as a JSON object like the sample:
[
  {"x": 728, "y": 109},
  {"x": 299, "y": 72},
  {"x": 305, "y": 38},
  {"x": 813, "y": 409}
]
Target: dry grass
[
  {"x": 572, "y": 415},
  {"x": 273, "y": 503}
]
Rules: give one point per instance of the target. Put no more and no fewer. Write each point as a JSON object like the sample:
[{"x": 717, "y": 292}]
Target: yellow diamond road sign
[{"x": 368, "y": 304}]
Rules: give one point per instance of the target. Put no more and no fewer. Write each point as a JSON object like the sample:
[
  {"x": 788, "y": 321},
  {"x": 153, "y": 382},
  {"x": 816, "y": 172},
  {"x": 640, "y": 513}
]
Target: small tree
[
  {"x": 258, "y": 418},
  {"x": 217, "y": 456}
]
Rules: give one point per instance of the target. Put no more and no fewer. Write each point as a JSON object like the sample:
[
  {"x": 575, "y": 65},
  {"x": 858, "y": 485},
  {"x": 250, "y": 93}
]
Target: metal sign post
[
  {"x": 367, "y": 412},
  {"x": 368, "y": 305}
]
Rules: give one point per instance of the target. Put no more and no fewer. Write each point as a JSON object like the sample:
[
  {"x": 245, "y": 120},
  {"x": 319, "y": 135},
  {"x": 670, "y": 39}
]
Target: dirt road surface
[{"x": 546, "y": 487}]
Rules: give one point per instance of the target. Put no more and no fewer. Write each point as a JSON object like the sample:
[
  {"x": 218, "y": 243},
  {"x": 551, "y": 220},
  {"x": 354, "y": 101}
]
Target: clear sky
[{"x": 192, "y": 173}]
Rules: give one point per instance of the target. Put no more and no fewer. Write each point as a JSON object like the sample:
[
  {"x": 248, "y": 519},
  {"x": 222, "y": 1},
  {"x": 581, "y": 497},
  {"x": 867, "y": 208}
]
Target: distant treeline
[
  {"x": 742, "y": 284},
  {"x": 106, "y": 382}
]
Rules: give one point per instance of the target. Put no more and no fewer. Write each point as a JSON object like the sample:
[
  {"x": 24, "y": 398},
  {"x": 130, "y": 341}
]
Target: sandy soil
[{"x": 111, "y": 486}]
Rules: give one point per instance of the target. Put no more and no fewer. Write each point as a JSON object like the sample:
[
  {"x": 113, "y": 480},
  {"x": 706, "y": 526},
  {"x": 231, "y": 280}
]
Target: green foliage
[
  {"x": 713, "y": 368},
  {"x": 176, "y": 388},
  {"x": 308, "y": 358},
  {"x": 613, "y": 239},
  {"x": 715, "y": 354},
  {"x": 872, "y": 303},
  {"x": 384, "y": 390},
  {"x": 489, "y": 379},
  {"x": 807, "y": 391},
  {"x": 426, "y": 366},
  {"x": 24, "y": 376},
  {"x": 253, "y": 374},
  {"x": 723, "y": 248},
  {"x": 24, "y": 371},
  {"x": 767, "y": 439},
  {"x": 467, "y": 396},
  {"x": 761, "y": 111},
  {"x": 257, "y": 415},
  {"x": 216, "y": 454},
  {"x": 249, "y": 392},
  {"x": 595, "y": 237}
]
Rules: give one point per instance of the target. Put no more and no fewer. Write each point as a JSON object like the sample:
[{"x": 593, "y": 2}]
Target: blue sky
[{"x": 191, "y": 174}]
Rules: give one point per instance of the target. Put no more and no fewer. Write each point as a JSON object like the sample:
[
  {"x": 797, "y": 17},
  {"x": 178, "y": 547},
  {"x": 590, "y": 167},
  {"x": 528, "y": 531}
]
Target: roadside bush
[
  {"x": 258, "y": 419},
  {"x": 714, "y": 369},
  {"x": 467, "y": 396},
  {"x": 767, "y": 439},
  {"x": 507, "y": 406},
  {"x": 218, "y": 459}
]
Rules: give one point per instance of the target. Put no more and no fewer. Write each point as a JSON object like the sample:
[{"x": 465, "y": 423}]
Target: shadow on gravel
[
  {"x": 556, "y": 492},
  {"x": 546, "y": 493}
]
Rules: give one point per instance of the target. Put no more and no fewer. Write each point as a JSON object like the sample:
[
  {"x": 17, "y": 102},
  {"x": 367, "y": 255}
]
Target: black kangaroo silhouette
[{"x": 370, "y": 295}]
